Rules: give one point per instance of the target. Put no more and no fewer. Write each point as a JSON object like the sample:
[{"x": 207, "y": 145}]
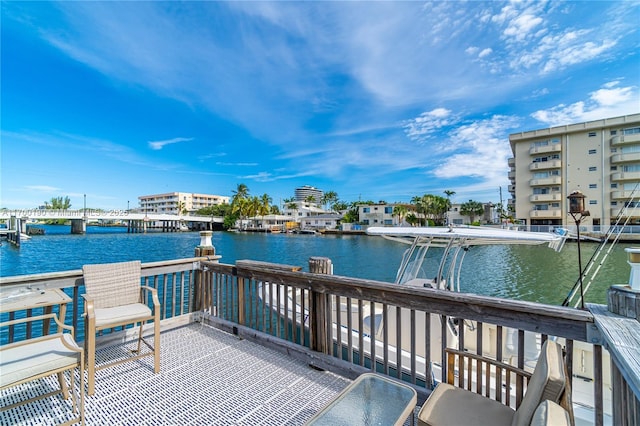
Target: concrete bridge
[{"x": 135, "y": 221}]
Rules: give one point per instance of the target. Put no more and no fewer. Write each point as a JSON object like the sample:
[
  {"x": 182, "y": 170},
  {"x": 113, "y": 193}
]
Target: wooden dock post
[{"x": 319, "y": 309}]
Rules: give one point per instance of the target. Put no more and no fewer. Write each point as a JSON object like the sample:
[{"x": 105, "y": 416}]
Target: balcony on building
[
  {"x": 511, "y": 188},
  {"x": 615, "y": 211},
  {"x": 620, "y": 176},
  {"x": 511, "y": 175},
  {"x": 512, "y": 162},
  {"x": 552, "y": 180},
  {"x": 546, "y": 214},
  {"x": 622, "y": 195},
  {"x": 542, "y": 165},
  {"x": 625, "y": 158},
  {"x": 625, "y": 139},
  {"x": 552, "y": 147},
  {"x": 545, "y": 197}
]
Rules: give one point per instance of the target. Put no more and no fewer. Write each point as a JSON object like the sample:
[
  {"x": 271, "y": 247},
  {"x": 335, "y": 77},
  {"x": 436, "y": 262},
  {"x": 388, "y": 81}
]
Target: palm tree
[
  {"x": 238, "y": 201},
  {"x": 310, "y": 199},
  {"x": 58, "y": 203},
  {"x": 329, "y": 198},
  {"x": 472, "y": 209},
  {"x": 449, "y": 193},
  {"x": 181, "y": 208},
  {"x": 293, "y": 206},
  {"x": 401, "y": 211},
  {"x": 265, "y": 201}
]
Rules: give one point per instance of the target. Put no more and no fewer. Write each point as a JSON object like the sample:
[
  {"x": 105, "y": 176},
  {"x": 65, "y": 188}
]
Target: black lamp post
[{"x": 577, "y": 212}]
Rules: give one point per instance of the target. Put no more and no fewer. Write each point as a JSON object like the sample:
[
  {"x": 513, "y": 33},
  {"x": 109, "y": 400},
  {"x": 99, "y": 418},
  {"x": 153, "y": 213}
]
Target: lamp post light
[{"x": 577, "y": 212}]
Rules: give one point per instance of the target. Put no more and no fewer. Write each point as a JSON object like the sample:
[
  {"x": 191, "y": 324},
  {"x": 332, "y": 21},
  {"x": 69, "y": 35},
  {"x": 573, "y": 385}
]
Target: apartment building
[
  {"x": 305, "y": 191},
  {"x": 599, "y": 158},
  {"x": 168, "y": 203},
  {"x": 376, "y": 214}
]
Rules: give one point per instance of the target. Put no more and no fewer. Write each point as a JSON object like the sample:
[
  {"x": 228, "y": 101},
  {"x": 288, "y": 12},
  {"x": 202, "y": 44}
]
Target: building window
[
  {"x": 592, "y": 134},
  {"x": 614, "y": 132},
  {"x": 388, "y": 210},
  {"x": 614, "y": 168},
  {"x": 593, "y": 201},
  {"x": 614, "y": 185},
  {"x": 593, "y": 185},
  {"x": 593, "y": 169},
  {"x": 592, "y": 151},
  {"x": 631, "y": 131},
  {"x": 365, "y": 210},
  {"x": 614, "y": 203}
]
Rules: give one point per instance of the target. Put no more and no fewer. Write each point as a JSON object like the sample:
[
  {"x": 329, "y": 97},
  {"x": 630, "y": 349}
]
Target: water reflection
[{"x": 517, "y": 272}]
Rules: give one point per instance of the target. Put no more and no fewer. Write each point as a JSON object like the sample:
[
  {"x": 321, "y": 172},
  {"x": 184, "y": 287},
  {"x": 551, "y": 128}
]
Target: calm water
[{"x": 516, "y": 272}]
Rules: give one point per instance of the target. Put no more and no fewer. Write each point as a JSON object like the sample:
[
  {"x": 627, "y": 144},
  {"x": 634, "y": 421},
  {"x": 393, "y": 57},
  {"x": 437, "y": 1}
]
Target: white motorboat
[{"x": 455, "y": 242}]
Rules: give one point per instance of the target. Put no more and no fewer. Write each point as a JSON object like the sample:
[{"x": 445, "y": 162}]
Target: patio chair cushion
[
  {"x": 121, "y": 314},
  {"x": 549, "y": 413},
  {"x": 547, "y": 382},
  {"x": 448, "y": 405},
  {"x": 39, "y": 357}
]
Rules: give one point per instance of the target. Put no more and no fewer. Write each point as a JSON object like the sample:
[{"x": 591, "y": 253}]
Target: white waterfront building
[
  {"x": 600, "y": 158},
  {"x": 168, "y": 203}
]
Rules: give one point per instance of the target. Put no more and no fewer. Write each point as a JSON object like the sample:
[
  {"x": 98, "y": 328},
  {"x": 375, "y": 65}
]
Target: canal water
[{"x": 529, "y": 273}]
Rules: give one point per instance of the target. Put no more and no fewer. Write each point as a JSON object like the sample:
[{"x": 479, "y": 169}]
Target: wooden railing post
[
  {"x": 241, "y": 300},
  {"x": 319, "y": 315}
]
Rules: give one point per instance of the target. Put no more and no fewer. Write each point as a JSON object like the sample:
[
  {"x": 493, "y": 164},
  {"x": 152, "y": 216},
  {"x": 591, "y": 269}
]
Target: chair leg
[
  {"x": 63, "y": 385},
  {"x": 156, "y": 344},
  {"x": 90, "y": 342},
  {"x": 140, "y": 338}
]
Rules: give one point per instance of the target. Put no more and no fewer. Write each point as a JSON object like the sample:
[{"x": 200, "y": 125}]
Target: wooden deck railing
[
  {"x": 316, "y": 314},
  {"x": 174, "y": 279}
]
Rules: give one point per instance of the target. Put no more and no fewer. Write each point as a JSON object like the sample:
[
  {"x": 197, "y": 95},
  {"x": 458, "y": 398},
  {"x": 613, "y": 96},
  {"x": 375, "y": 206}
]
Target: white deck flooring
[{"x": 208, "y": 377}]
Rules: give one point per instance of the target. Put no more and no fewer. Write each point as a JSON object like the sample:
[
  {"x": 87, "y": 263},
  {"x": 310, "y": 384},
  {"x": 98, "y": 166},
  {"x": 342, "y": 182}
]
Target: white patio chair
[{"x": 115, "y": 297}]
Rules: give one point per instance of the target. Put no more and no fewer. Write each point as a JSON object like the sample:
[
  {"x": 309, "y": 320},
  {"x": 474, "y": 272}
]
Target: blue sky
[{"x": 372, "y": 100}]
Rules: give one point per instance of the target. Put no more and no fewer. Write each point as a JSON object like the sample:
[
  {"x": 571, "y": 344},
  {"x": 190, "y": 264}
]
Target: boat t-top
[{"x": 456, "y": 242}]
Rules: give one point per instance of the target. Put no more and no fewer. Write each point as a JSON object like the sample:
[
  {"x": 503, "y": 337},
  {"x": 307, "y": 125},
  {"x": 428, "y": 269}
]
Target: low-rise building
[{"x": 179, "y": 202}]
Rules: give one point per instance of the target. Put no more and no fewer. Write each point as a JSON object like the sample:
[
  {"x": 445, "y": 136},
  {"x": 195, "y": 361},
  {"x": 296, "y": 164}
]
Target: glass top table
[{"x": 372, "y": 399}]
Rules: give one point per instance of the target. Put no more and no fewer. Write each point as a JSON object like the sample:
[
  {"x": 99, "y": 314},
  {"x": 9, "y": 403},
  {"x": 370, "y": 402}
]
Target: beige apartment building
[
  {"x": 168, "y": 203},
  {"x": 599, "y": 158}
]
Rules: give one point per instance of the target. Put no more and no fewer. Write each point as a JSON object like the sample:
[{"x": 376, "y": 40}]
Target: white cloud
[
  {"x": 428, "y": 123},
  {"x": 609, "y": 101},
  {"x": 157, "y": 145},
  {"x": 42, "y": 188},
  {"x": 520, "y": 27},
  {"x": 485, "y": 52},
  {"x": 482, "y": 151}
]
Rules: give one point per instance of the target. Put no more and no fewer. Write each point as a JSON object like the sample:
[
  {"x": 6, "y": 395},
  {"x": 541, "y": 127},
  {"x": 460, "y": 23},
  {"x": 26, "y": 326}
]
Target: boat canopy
[
  {"x": 471, "y": 236},
  {"x": 455, "y": 241}
]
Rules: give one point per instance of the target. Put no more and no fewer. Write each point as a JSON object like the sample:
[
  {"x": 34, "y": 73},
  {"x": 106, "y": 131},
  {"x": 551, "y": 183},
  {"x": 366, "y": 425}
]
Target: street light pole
[{"x": 577, "y": 212}]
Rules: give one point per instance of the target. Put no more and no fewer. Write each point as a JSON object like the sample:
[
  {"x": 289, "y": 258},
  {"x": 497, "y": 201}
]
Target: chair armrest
[
  {"x": 89, "y": 311},
  {"x": 154, "y": 295},
  {"x": 39, "y": 318}
]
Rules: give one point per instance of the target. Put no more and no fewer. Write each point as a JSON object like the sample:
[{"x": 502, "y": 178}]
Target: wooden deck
[{"x": 207, "y": 377}]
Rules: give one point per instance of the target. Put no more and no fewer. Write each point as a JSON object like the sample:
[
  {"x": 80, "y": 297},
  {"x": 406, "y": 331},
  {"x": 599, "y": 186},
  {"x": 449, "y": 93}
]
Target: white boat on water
[{"x": 455, "y": 243}]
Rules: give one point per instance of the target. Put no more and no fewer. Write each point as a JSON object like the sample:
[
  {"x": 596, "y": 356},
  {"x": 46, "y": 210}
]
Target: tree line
[{"x": 428, "y": 209}]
